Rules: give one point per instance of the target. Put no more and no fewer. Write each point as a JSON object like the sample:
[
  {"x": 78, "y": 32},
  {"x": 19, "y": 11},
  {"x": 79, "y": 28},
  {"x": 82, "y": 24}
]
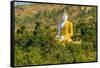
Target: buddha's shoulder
[{"x": 68, "y": 22}]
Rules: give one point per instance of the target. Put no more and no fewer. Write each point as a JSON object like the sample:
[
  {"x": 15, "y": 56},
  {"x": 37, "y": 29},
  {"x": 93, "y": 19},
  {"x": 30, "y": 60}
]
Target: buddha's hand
[{"x": 62, "y": 38}]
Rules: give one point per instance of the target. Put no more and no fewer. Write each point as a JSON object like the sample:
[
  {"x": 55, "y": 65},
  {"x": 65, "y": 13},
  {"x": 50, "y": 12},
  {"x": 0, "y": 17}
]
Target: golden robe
[{"x": 67, "y": 31}]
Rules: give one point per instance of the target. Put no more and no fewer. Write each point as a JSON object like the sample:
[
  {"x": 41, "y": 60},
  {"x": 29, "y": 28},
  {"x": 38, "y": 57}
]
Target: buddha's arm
[
  {"x": 59, "y": 29},
  {"x": 71, "y": 27}
]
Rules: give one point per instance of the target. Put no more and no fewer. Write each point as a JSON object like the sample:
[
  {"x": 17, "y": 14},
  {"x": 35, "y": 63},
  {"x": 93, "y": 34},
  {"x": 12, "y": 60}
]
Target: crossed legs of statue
[{"x": 64, "y": 40}]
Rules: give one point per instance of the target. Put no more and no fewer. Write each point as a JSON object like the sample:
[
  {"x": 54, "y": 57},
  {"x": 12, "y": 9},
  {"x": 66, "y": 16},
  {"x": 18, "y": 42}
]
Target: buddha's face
[{"x": 64, "y": 17}]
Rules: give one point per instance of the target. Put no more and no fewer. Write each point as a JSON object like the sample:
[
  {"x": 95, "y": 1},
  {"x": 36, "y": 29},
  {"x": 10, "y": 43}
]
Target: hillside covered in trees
[{"x": 36, "y": 28}]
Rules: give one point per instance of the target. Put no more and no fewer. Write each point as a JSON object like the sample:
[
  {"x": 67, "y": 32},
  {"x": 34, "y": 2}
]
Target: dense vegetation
[{"x": 36, "y": 28}]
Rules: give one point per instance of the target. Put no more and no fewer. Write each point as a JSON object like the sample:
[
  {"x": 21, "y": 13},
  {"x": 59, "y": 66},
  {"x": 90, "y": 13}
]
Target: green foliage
[{"x": 35, "y": 34}]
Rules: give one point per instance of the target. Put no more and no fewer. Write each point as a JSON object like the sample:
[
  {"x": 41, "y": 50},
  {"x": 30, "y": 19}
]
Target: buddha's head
[{"x": 64, "y": 16}]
